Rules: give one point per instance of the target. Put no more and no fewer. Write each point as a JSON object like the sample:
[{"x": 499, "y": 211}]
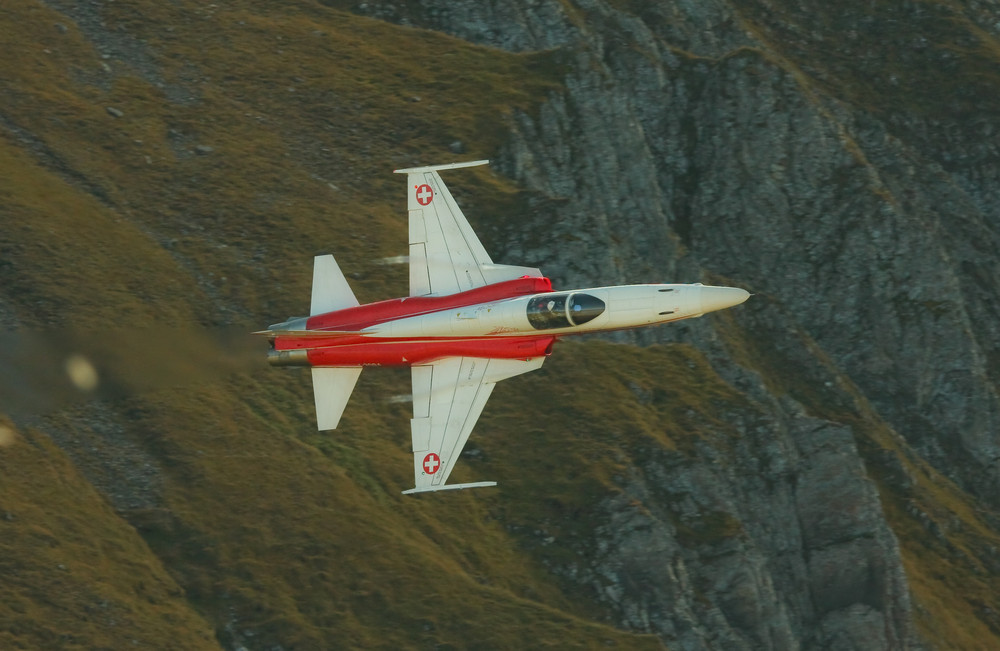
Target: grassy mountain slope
[
  {"x": 77, "y": 576},
  {"x": 115, "y": 218},
  {"x": 163, "y": 165}
]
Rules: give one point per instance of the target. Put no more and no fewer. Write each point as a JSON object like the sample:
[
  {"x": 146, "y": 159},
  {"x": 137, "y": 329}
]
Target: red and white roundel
[
  {"x": 425, "y": 194},
  {"x": 432, "y": 463}
]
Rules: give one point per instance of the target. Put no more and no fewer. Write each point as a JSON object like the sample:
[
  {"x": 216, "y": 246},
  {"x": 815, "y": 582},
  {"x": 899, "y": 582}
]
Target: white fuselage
[{"x": 625, "y": 306}]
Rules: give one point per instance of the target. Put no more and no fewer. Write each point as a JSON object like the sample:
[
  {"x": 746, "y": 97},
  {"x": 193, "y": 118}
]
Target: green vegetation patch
[{"x": 75, "y": 575}]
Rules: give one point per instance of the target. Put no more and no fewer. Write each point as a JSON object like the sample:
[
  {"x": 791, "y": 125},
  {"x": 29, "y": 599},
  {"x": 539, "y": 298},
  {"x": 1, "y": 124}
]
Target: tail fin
[
  {"x": 332, "y": 388},
  {"x": 330, "y": 290}
]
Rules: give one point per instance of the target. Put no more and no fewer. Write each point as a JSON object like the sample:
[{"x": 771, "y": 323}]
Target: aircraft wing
[
  {"x": 446, "y": 256},
  {"x": 448, "y": 397}
]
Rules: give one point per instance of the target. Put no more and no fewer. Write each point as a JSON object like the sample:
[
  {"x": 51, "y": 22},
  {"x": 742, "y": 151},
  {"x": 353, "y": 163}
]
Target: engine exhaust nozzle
[{"x": 288, "y": 358}]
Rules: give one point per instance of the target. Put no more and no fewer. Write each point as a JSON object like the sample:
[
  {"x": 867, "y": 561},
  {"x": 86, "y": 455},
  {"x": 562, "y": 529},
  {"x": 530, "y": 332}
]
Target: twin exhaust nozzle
[{"x": 288, "y": 358}]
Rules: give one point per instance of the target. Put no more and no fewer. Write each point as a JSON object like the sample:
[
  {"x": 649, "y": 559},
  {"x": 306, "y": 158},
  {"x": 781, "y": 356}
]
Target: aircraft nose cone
[{"x": 719, "y": 298}]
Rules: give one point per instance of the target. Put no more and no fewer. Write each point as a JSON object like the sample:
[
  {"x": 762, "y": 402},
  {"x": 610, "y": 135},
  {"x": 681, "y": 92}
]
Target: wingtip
[
  {"x": 438, "y": 168},
  {"x": 449, "y": 487}
]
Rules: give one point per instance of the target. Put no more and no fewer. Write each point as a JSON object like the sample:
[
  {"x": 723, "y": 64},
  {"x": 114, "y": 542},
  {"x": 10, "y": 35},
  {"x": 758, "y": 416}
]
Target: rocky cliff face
[
  {"x": 719, "y": 139},
  {"x": 841, "y": 162},
  {"x": 779, "y": 544}
]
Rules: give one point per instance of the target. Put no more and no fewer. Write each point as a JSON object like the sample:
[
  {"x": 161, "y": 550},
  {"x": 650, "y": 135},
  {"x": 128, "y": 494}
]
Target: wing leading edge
[
  {"x": 448, "y": 397},
  {"x": 446, "y": 256}
]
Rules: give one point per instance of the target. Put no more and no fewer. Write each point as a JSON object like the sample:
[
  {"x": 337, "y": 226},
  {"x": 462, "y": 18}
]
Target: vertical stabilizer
[{"x": 330, "y": 290}]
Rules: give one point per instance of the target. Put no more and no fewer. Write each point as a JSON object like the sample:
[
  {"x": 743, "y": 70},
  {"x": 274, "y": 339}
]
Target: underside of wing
[
  {"x": 448, "y": 397},
  {"x": 446, "y": 256}
]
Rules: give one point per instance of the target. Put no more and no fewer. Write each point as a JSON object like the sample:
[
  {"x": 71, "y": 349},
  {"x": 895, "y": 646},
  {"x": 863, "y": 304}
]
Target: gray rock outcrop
[{"x": 722, "y": 141}]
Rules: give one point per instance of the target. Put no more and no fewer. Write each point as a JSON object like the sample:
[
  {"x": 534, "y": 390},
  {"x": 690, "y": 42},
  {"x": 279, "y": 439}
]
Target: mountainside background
[{"x": 818, "y": 468}]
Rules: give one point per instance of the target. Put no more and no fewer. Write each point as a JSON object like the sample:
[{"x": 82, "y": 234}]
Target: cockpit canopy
[{"x": 563, "y": 310}]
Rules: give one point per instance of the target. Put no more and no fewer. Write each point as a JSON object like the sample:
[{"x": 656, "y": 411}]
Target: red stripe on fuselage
[
  {"x": 341, "y": 349},
  {"x": 364, "y": 316},
  {"x": 404, "y": 352}
]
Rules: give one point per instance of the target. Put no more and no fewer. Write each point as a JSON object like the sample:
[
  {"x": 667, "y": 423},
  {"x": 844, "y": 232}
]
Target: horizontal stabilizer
[
  {"x": 449, "y": 487},
  {"x": 332, "y": 388},
  {"x": 330, "y": 290}
]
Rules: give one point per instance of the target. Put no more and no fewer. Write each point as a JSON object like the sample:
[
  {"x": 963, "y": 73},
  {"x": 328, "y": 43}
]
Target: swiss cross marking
[
  {"x": 432, "y": 463},
  {"x": 425, "y": 194}
]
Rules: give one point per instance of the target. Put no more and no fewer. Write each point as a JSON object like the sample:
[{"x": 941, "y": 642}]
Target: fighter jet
[{"x": 467, "y": 324}]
